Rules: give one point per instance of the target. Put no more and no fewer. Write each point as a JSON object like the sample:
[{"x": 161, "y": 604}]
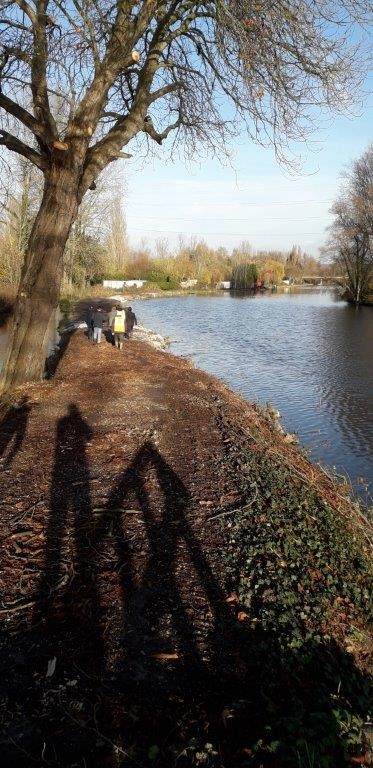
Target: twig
[
  {"x": 82, "y": 672},
  {"x": 17, "y": 607},
  {"x": 16, "y": 519},
  {"x": 30, "y": 757},
  {"x": 101, "y": 735},
  {"x": 237, "y": 509},
  {"x": 221, "y": 514}
]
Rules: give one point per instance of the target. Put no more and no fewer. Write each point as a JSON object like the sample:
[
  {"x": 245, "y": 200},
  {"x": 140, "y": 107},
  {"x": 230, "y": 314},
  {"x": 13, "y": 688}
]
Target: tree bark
[{"x": 39, "y": 288}]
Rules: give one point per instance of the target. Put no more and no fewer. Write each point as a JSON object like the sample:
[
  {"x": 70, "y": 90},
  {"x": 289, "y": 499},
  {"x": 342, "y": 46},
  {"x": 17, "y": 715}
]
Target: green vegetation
[
  {"x": 164, "y": 281},
  {"x": 244, "y": 277},
  {"x": 303, "y": 580},
  {"x": 98, "y": 248}
]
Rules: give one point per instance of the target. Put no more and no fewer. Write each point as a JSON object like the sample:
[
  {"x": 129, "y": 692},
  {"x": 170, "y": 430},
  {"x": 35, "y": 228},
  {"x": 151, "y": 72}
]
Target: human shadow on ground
[
  {"x": 13, "y": 427},
  {"x": 155, "y": 601},
  {"x": 69, "y": 582},
  {"x": 52, "y": 717},
  {"x": 121, "y": 668}
]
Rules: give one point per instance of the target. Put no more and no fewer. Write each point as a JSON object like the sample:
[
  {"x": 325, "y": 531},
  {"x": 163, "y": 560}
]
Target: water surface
[{"x": 307, "y": 353}]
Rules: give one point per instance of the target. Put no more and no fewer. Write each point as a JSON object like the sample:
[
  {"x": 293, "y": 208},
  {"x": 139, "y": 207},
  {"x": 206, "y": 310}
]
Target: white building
[
  {"x": 120, "y": 284},
  {"x": 188, "y": 283},
  {"x": 224, "y": 285}
]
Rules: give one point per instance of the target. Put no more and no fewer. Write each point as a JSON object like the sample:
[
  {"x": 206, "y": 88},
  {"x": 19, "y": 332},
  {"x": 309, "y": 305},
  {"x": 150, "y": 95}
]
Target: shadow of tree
[
  {"x": 118, "y": 668},
  {"x": 12, "y": 431},
  {"x": 52, "y": 362},
  {"x": 6, "y": 307}
]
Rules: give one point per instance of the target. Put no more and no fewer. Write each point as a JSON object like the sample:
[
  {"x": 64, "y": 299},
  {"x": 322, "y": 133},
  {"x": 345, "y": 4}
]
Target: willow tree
[{"x": 81, "y": 79}]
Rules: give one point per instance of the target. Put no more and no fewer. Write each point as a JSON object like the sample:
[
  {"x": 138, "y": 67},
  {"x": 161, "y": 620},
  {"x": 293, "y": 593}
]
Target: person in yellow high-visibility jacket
[{"x": 119, "y": 327}]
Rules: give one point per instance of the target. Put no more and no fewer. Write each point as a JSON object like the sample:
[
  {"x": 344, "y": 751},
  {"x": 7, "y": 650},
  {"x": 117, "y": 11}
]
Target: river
[{"x": 306, "y": 353}]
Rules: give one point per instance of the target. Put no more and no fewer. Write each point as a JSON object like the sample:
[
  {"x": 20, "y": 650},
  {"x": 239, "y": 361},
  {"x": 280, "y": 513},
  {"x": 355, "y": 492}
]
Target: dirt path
[{"x": 121, "y": 641}]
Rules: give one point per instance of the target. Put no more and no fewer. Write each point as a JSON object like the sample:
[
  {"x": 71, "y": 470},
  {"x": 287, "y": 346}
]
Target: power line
[
  {"x": 226, "y": 234},
  {"x": 219, "y": 218},
  {"x": 256, "y": 205}
]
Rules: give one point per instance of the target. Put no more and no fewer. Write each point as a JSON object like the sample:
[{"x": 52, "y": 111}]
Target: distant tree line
[
  {"x": 194, "y": 259},
  {"x": 98, "y": 245}
]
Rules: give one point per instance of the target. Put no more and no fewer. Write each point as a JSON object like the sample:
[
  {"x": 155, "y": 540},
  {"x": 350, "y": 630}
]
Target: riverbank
[{"x": 180, "y": 586}]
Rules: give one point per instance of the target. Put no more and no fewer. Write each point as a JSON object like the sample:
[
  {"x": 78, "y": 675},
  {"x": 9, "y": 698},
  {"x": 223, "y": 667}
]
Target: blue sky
[{"x": 255, "y": 200}]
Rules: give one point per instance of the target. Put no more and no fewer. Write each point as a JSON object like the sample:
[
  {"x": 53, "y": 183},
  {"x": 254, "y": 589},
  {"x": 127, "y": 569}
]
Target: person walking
[
  {"x": 91, "y": 314},
  {"x": 98, "y": 321},
  {"x": 131, "y": 320},
  {"x": 111, "y": 319},
  {"x": 119, "y": 327}
]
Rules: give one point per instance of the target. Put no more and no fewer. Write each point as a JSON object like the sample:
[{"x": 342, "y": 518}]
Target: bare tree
[
  {"x": 21, "y": 196},
  {"x": 244, "y": 253},
  {"x": 117, "y": 240},
  {"x": 97, "y": 242},
  {"x": 86, "y": 77},
  {"x": 162, "y": 248},
  {"x": 351, "y": 234}
]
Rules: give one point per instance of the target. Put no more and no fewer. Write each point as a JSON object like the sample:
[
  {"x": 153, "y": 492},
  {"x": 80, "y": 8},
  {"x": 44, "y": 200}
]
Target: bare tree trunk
[{"x": 39, "y": 288}]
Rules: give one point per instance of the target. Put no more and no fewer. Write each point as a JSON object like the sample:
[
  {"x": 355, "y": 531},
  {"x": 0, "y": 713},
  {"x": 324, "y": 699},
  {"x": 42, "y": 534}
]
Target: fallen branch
[
  {"x": 237, "y": 509},
  {"x": 99, "y": 733},
  {"x": 17, "y": 608}
]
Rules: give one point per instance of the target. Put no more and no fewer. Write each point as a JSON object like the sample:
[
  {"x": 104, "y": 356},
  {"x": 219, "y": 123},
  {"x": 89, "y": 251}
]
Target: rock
[
  {"x": 150, "y": 337},
  {"x": 289, "y": 438}
]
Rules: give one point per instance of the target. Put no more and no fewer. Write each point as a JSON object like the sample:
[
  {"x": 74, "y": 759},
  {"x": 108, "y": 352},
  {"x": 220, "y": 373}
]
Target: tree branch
[
  {"x": 22, "y": 115},
  {"x": 18, "y": 53},
  {"x": 121, "y": 156},
  {"x": 158, "y": 94},
  {"x": 127, "y": 126},
  {"x": 15, "y": 145},
  {"x": 39, "y": 85},
  {"x": 91, "y": 31},
  {"x": 26, "y": 8},
  {"x": 155, "y": 135}
]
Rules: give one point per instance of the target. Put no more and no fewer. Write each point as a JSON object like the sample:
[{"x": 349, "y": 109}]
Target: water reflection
[
  {"x": 346, "y": 383},
  {"x": 308, "y": 353}
]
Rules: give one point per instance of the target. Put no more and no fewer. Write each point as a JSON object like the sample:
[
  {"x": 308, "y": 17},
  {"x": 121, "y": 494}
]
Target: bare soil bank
[{"x": 180, "y": 586}]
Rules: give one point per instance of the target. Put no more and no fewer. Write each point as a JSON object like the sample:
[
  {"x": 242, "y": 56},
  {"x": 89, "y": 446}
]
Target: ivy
[{"x": 304, "y": 581}]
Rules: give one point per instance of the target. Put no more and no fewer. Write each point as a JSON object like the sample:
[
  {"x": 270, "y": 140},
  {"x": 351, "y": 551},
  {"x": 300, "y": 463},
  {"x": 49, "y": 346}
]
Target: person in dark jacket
[
  {"x": 91, "y": 314},
  {"x": 111, "y": 319},
  {"x": 98, "y": 321},
  {"x": 131, "y": 320}
]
